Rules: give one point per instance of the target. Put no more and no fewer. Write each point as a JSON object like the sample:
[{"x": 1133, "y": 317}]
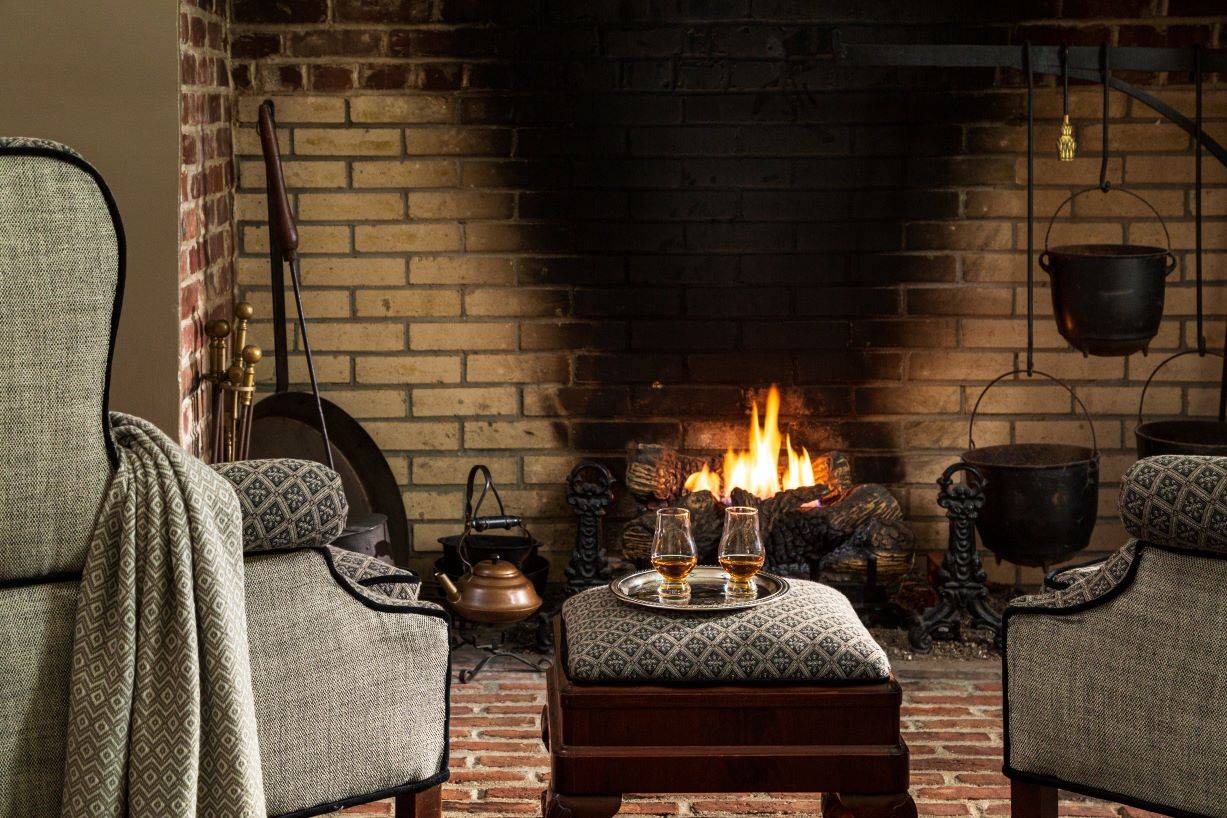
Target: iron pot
[
  {"x": 1108, "y": 298},
  {"x": 1040, "y": 500}
]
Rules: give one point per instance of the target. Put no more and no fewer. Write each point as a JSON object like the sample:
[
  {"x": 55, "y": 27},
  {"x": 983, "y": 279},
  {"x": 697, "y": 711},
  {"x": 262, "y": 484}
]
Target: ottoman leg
[
  {"x": 557, "y": 805},
  {"x": 900, "y": 805}
]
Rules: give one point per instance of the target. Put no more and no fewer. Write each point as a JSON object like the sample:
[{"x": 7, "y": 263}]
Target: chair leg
[
  {"x": 838, "y": 805},
  {"x": 424, "y": 804},
  {"x": 1031, "y": 800}
]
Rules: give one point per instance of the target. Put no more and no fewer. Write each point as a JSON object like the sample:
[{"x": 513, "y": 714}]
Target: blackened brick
[
  {"x": 741, "y": 368},
  {"x": 280, "y": 11},
  {"x": 849, "y": 301},
  {"x": 638, "y": 368},
  {"x": 576, "y": 401},
  {"x": 604, "y": 336},
  {"x": 608, "y": 435},
  {"x": 339, "y": 43},
  {"x": 382, "y": 11},
  {"x": 682, "y": 335},
  {"x": 687, "y": 401},
  {"x": 738, "y": 301},
  {"x": 830, "y": 366},
  {"x": 800, "y": 335},
  {"x": 331, "y": 78},
  {"x": 628, "y": 302}
]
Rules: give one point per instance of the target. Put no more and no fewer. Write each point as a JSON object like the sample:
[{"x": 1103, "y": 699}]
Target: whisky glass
[
  {"x": 741, "y": 551},
  {"x": 673, "y": 553}
]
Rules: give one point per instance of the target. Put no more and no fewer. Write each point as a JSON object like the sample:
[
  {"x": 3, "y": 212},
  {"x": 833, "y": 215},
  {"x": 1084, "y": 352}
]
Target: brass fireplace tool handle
[{"x": 232, "y": 372}]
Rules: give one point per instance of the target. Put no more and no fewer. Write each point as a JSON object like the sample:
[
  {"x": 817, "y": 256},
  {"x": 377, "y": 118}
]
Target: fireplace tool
[
  {"x": 304, "y": 424},
  {"x": 233, "y": 383},
  {"x": 492, "y": 591}
]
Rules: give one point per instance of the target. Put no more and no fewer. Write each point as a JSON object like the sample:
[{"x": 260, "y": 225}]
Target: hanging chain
[
  {"x": 1030, "y": 207},
  {"x": 1105, "y": 68},
  {"x": 1201, "y": 335}
]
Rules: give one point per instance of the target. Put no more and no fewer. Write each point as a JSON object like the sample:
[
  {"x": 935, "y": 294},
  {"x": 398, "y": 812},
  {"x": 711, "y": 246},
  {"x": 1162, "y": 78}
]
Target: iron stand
[
  {"x": 962, "y": 590},
  {"x": 494, "y": 649}
]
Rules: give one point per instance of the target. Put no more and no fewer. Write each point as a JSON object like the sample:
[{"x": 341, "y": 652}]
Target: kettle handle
[{"x": 473, "y": 522}]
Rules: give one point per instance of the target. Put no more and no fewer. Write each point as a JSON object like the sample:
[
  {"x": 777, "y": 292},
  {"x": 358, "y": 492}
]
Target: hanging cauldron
[
  {"x": 1108, "y": 298},
  {"x": 1181, "y": 435},
  {"x": 1040, "y": 499}
]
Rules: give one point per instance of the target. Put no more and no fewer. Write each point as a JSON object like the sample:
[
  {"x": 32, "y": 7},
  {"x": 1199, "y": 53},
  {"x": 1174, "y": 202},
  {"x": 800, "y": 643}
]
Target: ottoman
[{"x": 792, "y": 696}]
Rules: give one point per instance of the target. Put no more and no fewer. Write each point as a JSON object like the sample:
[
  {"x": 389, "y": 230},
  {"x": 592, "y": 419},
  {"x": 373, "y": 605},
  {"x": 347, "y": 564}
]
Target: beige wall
[{"x": 102, "y": 77}]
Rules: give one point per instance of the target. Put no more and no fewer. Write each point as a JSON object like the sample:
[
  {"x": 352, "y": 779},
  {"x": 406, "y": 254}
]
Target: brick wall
[
  {"x": 206, "y": 197},
  {"x": 542, "y": 229}
]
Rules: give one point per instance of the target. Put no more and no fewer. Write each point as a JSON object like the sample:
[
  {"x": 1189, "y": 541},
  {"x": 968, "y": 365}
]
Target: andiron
[
  {"x": 590, "y": 493},
  {"x": 962, "y": 588}
]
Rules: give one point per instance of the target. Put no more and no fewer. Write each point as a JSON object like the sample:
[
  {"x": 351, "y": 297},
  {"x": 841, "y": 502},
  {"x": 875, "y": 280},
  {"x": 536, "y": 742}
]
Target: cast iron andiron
[{"x": 962, "y": 589}]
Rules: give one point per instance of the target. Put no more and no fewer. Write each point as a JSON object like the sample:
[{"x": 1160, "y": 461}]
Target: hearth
[{"x": 817, "y": 521}]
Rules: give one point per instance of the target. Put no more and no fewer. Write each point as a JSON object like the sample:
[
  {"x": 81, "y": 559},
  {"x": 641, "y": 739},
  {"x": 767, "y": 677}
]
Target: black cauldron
[
  {"x": 1040, "y": 499},
  {"x": 1108, "y": 298},
  {"x": 1181, "y": 435}
]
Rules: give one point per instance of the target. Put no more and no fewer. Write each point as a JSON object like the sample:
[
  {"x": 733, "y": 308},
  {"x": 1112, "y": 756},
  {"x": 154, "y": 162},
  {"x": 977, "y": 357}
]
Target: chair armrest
[
  {"x": 287, "y": 503},
  {"x": 1177, "y": 501},
  {"x": 1092, "y": 584},
  {"x": 1058, "y": 579}
]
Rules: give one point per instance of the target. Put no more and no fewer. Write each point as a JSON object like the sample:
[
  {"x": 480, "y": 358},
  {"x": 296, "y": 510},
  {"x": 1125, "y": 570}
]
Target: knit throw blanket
[{"x": 161, "y": 719}]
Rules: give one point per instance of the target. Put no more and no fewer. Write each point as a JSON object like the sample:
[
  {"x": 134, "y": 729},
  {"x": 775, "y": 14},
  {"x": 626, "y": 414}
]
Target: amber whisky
[
  {"x": 674, "y": 567},
  {"x": 741, "y": 568}
]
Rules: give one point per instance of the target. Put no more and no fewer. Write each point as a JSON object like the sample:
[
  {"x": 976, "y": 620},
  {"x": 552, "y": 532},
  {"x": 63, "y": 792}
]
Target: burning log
[
  {"x": 808, "y": 511},
  {"x": 657, "y": 473},
  {"x": 797, "y": 532}
]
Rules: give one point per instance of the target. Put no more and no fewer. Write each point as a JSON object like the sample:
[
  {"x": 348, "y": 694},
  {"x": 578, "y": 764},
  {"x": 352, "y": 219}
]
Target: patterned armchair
[
  {"x": 350, "y": 672},
  {"x": 1115, "y": 678}
]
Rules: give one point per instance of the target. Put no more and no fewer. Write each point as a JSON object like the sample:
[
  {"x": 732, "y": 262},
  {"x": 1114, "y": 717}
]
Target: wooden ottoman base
[{"x": 609, "y": 739}]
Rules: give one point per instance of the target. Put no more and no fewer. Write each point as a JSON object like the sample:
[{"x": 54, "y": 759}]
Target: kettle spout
[{"x": 449, "y": 587}]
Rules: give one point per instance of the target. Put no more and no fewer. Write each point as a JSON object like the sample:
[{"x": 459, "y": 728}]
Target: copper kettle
[{"x": 493, "y": 591}]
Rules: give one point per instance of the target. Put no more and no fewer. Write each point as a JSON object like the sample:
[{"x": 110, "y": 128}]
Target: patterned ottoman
[
  {"x": 811, "y": 635},
  {"x": 791, "y": 696}
]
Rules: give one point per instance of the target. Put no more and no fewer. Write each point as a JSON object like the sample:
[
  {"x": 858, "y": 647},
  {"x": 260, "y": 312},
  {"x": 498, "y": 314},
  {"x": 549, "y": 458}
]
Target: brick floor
[{"x": 952, "y": 722}]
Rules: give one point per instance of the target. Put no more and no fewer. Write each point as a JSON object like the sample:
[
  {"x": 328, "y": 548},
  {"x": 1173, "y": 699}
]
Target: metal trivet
[{"x": 496, "y": 647}]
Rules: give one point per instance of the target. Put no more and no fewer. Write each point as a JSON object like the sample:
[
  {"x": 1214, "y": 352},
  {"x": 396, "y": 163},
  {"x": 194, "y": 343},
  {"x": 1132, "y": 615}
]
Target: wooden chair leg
[
  {"x": 1031, "y": 800},
  {"x": 835, "y": 805},
  {"x": 424, "y": 804},
  {"x": 556, "y": 805}
]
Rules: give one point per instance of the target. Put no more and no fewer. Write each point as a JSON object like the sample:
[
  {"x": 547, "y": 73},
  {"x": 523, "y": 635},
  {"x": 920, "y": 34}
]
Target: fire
[{"x": 758, "y": 469}]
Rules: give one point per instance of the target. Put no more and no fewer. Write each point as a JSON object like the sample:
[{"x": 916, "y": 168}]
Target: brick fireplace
[{"x": 539, "y": 230}]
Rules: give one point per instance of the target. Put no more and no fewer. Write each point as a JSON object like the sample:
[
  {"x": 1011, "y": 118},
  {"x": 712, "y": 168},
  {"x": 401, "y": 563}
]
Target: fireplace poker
[
  {"x": 218, "y": 332},
  {"x": 251, "y": 357}
]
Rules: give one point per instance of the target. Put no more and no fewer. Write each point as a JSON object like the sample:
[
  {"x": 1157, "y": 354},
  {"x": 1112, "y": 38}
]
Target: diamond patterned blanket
[{"x": 161, "y": 720}]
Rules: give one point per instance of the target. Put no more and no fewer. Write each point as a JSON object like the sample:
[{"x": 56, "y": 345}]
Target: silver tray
[{"x": 706, "y": 590}]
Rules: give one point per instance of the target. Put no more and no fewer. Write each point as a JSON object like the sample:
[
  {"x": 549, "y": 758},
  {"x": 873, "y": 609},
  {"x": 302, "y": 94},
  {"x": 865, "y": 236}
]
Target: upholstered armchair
[
  {"x": 1115, "y": 676},
  {"x": 349, "y": 670}
]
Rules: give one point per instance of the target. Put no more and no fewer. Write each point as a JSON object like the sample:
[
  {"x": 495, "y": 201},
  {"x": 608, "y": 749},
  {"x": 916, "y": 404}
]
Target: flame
[
  {"x": 705, "y": 480},
  {"x": 758, "y": 469}
]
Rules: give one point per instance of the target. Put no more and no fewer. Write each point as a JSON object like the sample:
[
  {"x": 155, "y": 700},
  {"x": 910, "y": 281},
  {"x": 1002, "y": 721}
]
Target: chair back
[{"x": 61, "y": 279}]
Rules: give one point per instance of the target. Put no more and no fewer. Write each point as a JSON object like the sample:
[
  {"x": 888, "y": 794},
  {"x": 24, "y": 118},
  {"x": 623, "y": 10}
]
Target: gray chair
[
  {"x": 1115, "y": 678},
  {"x": 350, "y": 672}
]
